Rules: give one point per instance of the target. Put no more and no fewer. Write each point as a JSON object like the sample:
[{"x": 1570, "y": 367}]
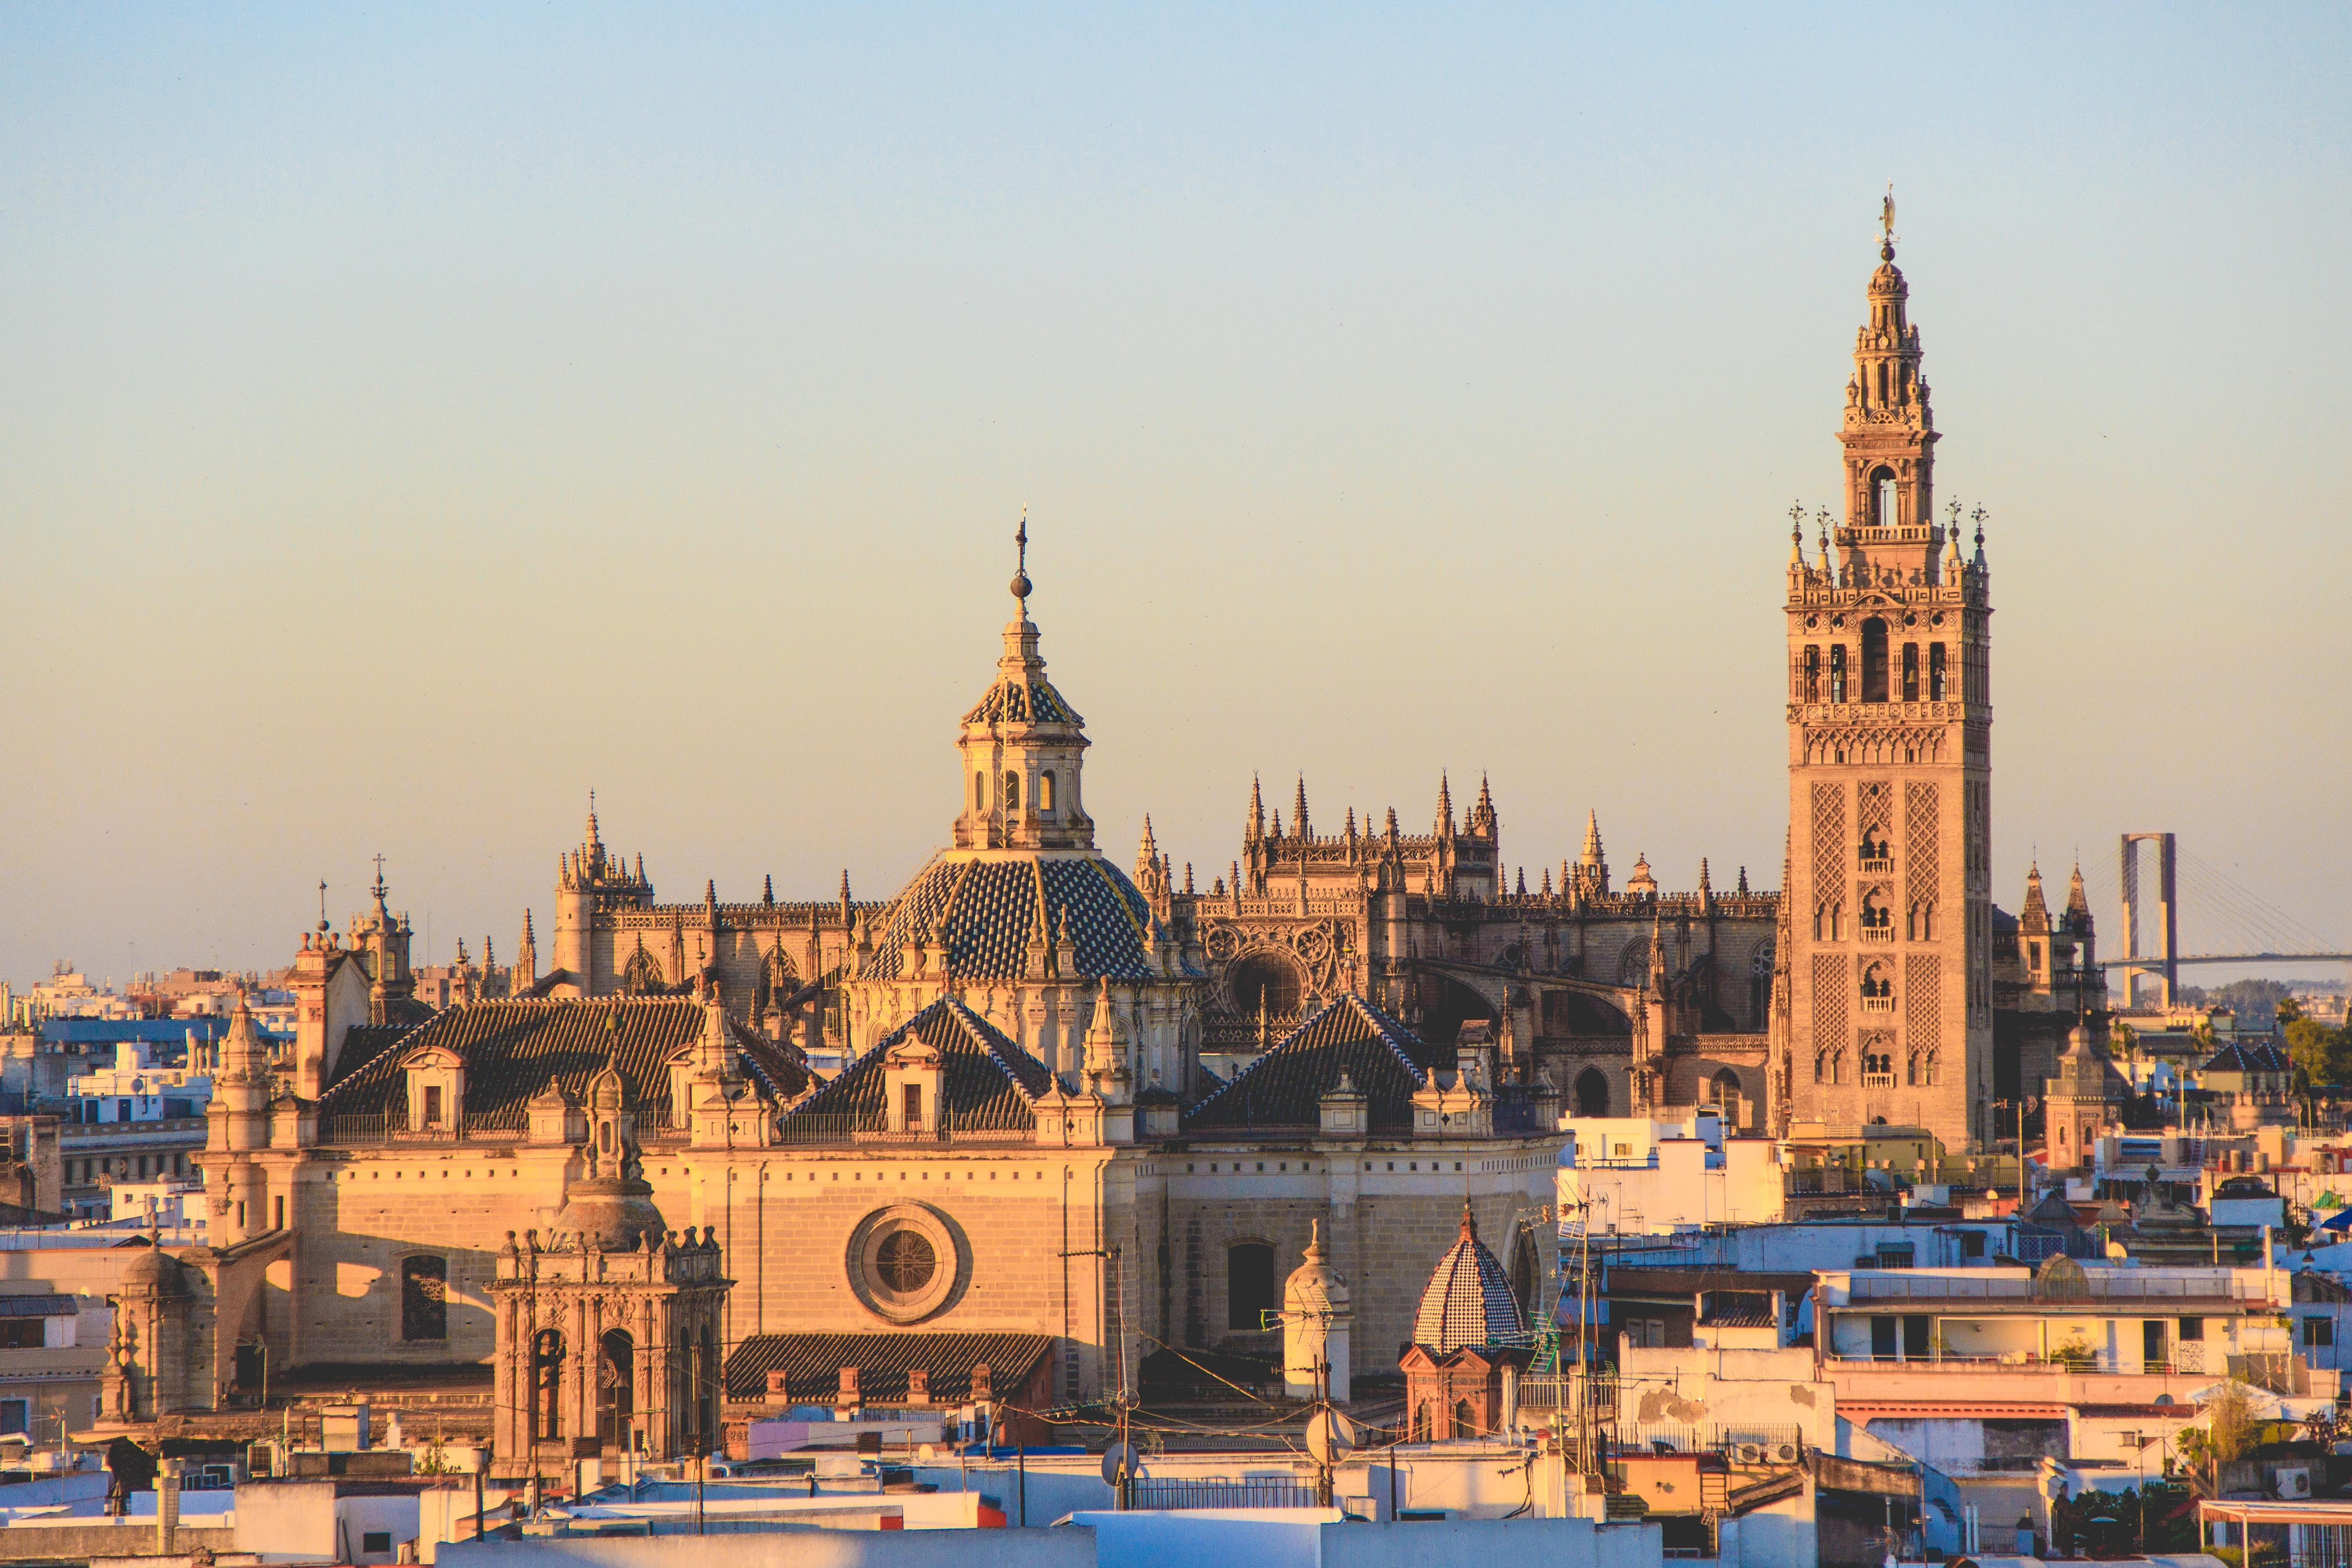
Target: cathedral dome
[
  {"x": 999, "y": 914},
  {"x": 1469, "y": 1301}
]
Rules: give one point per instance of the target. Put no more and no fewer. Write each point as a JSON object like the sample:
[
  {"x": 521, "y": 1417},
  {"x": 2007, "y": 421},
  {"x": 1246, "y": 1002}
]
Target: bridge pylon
[{"x": 2165, "y": 962}]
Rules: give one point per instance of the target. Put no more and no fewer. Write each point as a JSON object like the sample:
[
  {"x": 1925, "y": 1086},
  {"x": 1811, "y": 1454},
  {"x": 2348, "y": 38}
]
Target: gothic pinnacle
[
  {"x": 1445, "y": 807},
  {"x": 1298, "y": 812}
]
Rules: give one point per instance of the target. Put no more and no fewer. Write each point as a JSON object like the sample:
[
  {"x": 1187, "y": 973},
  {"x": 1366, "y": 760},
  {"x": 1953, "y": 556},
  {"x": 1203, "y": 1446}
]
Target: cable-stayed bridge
[{"x": 2235, "y": 924}]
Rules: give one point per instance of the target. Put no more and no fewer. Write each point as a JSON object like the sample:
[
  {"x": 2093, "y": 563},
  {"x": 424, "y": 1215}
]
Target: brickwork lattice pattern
[
  {"x": 1829, "y": 842},
  {"x": 1920, "y": 840},
  {"x": 1830, "y": 980}
]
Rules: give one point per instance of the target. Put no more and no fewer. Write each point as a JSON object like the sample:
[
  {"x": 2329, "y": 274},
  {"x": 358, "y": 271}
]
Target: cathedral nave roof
[
  {"x": 1385, "y": 1062},
  {"x": 512, "y": 1048},
  {"x": 987, "y": 1082}
]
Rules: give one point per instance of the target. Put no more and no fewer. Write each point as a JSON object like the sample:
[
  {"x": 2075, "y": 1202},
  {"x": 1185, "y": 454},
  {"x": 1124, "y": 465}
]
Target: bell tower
[{"x": 1887, "y": 963}]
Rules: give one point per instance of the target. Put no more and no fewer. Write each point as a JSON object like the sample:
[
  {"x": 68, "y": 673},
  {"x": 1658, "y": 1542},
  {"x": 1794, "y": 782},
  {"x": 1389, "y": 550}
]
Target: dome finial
[
  {"x": 1886, "y": 224},
  {"x": 1020, "y": 583}
]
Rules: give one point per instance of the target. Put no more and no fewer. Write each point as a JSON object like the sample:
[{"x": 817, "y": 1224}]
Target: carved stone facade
[{"x": 1888, "y": 965}]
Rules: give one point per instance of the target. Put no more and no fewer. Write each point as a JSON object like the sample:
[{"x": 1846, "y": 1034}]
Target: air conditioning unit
[
  {"x": 2294, "y": 1482},
  {"x": 1747, "y": 1453},
  {"x": 1787, "y": 1454}
]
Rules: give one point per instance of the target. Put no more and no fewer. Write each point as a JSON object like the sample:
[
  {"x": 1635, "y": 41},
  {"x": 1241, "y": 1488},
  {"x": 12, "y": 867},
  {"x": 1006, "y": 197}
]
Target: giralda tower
[{"x": 1886, "y": 963}]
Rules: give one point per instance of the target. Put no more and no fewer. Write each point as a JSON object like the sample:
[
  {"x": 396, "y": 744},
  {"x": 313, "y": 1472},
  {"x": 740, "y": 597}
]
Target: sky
[{"x": 416, "y": 416}]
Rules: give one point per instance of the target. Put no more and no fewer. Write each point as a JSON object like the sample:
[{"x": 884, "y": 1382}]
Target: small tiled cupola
[{"x": 436, "y": 1090}]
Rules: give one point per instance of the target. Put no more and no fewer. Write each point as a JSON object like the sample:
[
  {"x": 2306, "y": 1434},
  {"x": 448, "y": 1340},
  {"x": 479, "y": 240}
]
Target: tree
[
  {"x": 2228, "y": 1431},
  {"x": 2322, "y": 1053}
]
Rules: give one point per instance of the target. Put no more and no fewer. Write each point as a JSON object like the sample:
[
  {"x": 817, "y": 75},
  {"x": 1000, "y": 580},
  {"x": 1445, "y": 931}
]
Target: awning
[
  {"x": 1866, "y": 1410},
  {"x": 38, "y": 1307}
]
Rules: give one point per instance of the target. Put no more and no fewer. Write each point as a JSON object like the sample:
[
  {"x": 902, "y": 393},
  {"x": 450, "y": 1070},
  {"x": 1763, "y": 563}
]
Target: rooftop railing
[{"x": 2115, "y": 1285}]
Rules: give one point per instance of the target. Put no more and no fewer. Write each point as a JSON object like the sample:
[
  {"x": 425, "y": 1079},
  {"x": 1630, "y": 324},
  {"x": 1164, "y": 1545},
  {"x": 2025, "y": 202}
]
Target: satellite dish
[
  {"x": 1117, "y": 1456},
  {"x": 1330, "y": 1437}
]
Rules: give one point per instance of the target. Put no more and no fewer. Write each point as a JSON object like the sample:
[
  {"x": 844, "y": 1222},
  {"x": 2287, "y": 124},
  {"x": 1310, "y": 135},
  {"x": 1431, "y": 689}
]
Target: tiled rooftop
[
  {"x": 1386, "y": 1062},
  {"x": 987, "y": 911},
  {"x": 511, "y": 1049},
  {"x": 987, "y": 1083},
  {"x": 813, "y": 1363}
]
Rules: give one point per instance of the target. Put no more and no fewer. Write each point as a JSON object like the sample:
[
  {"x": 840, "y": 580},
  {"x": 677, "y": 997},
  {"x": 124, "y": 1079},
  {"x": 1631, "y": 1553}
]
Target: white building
[{"x": 1630, "y": 1175}]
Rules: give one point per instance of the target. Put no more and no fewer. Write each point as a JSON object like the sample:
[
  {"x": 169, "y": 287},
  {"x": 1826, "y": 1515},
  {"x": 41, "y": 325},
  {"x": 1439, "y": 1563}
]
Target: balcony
[
  {"x": 1878, "y": 1080},
  {"x": 1878, "y": 933},
  {"x": 1881, "y": 867},
  {"x": 1878, "y": 1003}
]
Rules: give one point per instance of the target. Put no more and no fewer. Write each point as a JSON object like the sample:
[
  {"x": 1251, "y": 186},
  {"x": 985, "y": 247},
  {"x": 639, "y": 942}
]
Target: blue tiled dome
[
  {"x": 1469, "y": 1301},
  {"x": 988, "y": 907}
]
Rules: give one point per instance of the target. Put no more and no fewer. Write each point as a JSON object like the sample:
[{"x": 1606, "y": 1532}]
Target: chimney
[
  {"x": 982, "y": 1393},
  {"x": 779, "y": 1386},
  {"x": 847, "y": 1398},
  {"x": 918, "y": 1386}
]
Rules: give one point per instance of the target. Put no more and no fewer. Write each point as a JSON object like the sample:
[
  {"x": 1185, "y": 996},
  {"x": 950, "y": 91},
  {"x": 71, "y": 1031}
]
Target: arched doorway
[
  {"x": 1591, "y": 1093},
  {"x": 616, "y": 1388},
  {"x": 1465, "y": 1420}
]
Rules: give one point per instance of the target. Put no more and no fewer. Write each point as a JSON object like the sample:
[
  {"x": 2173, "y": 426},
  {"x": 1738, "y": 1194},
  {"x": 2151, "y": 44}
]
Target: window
[
  {"x": 1874, "y": 660},
  {"x": 1813, "y": 673},
  {"x": 906, "y": 1261},
  {"x": 1935, "y": 672},
  {"x": 281, "y": 1213},
  {"x": 547, "y": 1386},
  {"x": 1837, "y": 673},
  {"x": 13, "y": 1414},
  {"x": 1011, "y": 795},
  {"x": 2193, "y": 1330},
  {"x": 2318, "y": 1332},
  {"x": 432, "y": 1105},
  {"x": 912, "y": 1104},
  {"x": 424, "y": 1298},
  {"x": 1465, "y": 1421},
  {"x": 1972, "y": 1244},
  {"x": 980, "y": 791},
  {"x": 375, "y": 1543},
  {"x": 20, "y": 1334},
  {"x": 1249, "y": 1285},
  {"x": 1045, "y": 792},
  {"x": 1881, "y": 1338},
  {"x": 1910, "y": 672}
]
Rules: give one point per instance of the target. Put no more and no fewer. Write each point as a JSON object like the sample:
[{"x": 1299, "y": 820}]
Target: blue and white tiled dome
[
  {"x": 1469, "y": 1302},
  {"x": 988, "y": 909}
]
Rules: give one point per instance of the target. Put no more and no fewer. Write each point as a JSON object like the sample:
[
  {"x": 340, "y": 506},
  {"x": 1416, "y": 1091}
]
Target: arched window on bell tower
[
  {"x": 1011, "y": 795},
  {"x": 1885, "y": 510},
  {"x": 1874, "y": 660},
  {"x": 1837, "y": 673}
]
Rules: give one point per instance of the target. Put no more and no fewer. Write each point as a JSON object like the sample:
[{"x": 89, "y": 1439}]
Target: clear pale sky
[{"x": 414, "y": 417}]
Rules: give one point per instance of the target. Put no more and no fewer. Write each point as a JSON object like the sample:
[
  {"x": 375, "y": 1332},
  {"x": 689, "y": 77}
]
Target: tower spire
[
  {"x": 1298, "y": 812},
  {"x": 1020, "y": 583}
]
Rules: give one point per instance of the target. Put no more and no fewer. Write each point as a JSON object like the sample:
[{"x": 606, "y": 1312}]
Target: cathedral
[{"x": 1088, "y": 1115}]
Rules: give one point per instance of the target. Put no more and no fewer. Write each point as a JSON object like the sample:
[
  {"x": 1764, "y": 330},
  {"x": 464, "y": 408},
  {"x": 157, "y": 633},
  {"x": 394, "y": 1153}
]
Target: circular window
[{"x": 906, "y": 1263}]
